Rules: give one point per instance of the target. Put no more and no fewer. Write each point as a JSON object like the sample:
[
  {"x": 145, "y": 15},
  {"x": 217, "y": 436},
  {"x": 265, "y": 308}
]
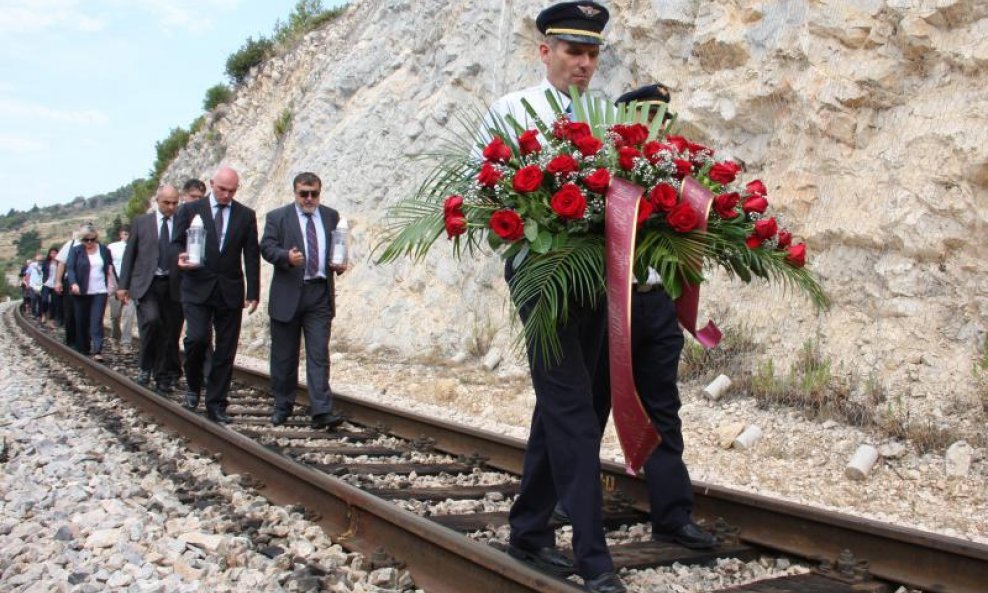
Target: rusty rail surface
[
  {"x": 900, "y": 555},
  {"x": 443, "y": 561}
]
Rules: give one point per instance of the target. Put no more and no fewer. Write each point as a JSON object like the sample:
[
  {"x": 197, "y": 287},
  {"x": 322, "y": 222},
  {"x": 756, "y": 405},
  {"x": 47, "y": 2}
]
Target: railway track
[{"x": 428, "y": 494}]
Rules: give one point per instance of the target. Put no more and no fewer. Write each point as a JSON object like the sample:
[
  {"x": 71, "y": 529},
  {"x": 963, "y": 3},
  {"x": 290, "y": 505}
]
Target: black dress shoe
[
  {"x": 606, "y": 582},
  {"x": 278, "y": 418},
  {"x": 191, "y": 400},
  {"x": 327, "y": 420},
  {"x": 689, "y": 536},
  {"x": 143, "y": 378},
  {"x": 218, "y": 417},
  {"x": 549, "y": 560},
  {"x": 165, "y": 386}
]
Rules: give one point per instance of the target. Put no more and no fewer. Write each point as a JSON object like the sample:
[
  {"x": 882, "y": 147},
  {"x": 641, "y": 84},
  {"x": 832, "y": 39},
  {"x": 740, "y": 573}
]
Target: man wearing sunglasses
[{"x": 296, "y": 241}]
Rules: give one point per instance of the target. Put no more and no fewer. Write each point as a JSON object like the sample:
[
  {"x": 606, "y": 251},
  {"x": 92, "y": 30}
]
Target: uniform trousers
[
  {"x": 562, "y": 458},
  {"x": 313, "y": 320},
  {"x": 159, "y": 321},
  {"x": 656, "y": 343},
  {"x": 224, "y": 322}
]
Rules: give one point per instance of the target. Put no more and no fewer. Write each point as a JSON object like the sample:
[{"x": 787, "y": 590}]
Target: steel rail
[
  {"x": 901, "y": 555},
  {"x": 440, "y": 560}
]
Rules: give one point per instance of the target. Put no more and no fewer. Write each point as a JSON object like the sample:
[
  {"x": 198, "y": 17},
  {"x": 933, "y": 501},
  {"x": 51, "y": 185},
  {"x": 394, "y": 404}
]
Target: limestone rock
[
  {"x": 958, "y": 459},
  {"x": 728, "y": 432}
]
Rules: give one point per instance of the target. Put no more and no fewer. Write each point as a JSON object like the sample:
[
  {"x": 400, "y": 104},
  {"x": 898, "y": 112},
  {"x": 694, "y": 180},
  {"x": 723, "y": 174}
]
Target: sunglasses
[
  {"x": 89, "y": 240},
  {"x": 308, "y": 193}
]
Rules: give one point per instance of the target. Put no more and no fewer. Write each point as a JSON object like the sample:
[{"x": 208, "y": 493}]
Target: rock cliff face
[{"x": 866, "y": 120}]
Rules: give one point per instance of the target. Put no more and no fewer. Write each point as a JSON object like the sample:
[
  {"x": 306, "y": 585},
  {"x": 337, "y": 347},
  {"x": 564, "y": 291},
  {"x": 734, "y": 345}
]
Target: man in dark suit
[
  {"x": 213, "y": 292},
  {"x": 296, "y": 240},
  {"x": 148, "y": 275}
]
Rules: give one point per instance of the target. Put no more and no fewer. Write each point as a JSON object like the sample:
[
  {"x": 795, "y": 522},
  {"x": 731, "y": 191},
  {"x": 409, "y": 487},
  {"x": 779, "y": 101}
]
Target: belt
[
  {"x": 314, "y": 281},
  {"x": 161, "y": 276}
]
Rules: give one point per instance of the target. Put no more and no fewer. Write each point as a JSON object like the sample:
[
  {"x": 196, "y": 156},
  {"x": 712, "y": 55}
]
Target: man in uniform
[
  {"x": 656, "y": 343},
  {"x": 562, "y": 459}
]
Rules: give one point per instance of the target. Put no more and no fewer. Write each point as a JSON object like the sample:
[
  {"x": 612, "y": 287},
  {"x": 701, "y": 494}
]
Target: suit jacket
[
  {"x": 222, "y": 269},
  {"x": 140, "y": 259},
  {"x": 77, "y": 267},
  {"x": 282, "y": 231}
]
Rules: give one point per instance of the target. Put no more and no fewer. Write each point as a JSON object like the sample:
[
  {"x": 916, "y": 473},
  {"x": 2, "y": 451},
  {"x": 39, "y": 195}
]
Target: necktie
[
  {"x": 164, "y": 238},
  {"x": 311, "y": 248},
  {"x": 569, "y": 111},
  {"x": 219, "y": 225}
]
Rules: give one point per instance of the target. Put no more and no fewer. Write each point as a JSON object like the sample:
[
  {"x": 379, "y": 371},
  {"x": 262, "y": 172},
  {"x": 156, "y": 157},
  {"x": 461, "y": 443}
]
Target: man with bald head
[
  {"x": 214, "y": 293},
  {"x": 146, "y": 276}
]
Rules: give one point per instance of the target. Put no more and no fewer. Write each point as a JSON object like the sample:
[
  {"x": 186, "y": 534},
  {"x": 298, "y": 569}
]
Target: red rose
[
  {"x": 563, "y": 163},
  {"x": 576, "y": 130},
  {"x": 678, "y": 142},
  {"x": 696, "y": 149},
  {"x": 453, "y": 204},
  {"x": 559, "y": 128},
  {"x": 528, "y": 142},
  {"x": 527, "y": 179},
  {"x": 724, "y": 173},
  {"x": 489, "y": 176},
  {"x": 508, "y": 225},
  {"x": 755, "y": 204},
  {"x": 753, "y": 242},
  {"x": 785, "y": 238},
  {"x": 766, "y": 228},
  {"x": 797, "y": 255},
  {"x": 683, "y": 218},
  {"x": 588, "y": 145},
  {"x": 497, "y": 151},
  {"x": 683, "y": 168},
  {"x": 569, "y": 202},
  {"x": 598, "y": 181},
  {"x": 632, "y": 135},
  {"x": 756, "y": 187},
  {"x": 725, "y": 205},
  {"x": 627, "y": 156},
  {"x": 653, "y": 149},
  {"x": 456, "y": 224},
  {"x": 645, "y": 210},
  {"x": 663, "y": 196}
]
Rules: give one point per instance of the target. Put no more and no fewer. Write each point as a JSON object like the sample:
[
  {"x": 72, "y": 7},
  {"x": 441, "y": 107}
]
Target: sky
[{"x": 88, "y": 86}]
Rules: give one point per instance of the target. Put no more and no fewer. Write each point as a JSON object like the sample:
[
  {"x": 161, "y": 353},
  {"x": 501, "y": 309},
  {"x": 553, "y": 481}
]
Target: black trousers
[
  {"x": 656, "y": 343},
  {"x": 313, "y": 320},
  {"x": 68, "y": 314},
  {"x": 159, "y": 322},
  {"x": 562, "y": 459},
  {"x": 225, "y": 325}
]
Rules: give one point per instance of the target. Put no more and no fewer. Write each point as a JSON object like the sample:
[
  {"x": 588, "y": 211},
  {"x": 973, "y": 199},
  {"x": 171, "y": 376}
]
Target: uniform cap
[{"x": 576, "y": 22}]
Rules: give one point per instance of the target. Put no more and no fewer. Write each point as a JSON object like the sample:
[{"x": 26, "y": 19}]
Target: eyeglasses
[
  {"x": 308, "y": 193},
  {"x": 88, "y": 239}
]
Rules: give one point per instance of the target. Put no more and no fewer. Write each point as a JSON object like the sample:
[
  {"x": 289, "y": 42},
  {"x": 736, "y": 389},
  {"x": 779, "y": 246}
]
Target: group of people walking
[{"x": 561, "y": 471}]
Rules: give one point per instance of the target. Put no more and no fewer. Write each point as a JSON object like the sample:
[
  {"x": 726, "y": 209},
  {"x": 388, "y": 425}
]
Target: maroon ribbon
[
  {"x": 635, "y": 431},
  {"x": 687, "y": 305}
]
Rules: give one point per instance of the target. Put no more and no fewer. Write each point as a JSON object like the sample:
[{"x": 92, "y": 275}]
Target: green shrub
[
  {"x": 28, "y": 244},
  {"x": 307, "y": 15},
  {"x": 283, "y": 123},
  {"x": 216, "y": 95},
  {"x": 251, "y": 54}
]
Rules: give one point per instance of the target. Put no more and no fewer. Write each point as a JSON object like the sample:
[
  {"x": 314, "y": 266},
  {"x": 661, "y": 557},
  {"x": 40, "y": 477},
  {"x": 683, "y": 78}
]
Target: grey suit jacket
[
  {"x": 282, "y": 231},
  {"x": 140, "y": 259}
]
